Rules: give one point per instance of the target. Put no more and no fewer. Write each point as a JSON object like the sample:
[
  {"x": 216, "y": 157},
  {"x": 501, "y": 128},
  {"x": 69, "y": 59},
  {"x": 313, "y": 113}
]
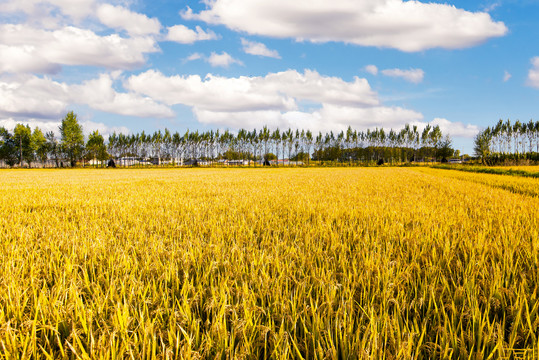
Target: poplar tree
[
  {"x": 23, "y": 138},
  {"x": 72, "y": 139}
]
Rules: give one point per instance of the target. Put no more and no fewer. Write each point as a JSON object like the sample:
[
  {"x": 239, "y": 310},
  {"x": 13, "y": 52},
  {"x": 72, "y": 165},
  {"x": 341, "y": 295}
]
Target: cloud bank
[
  {"x": 405, "y": 25},
  {"x": 30, "y": 96},
  {"x": 289, "y": 98},
  {"x": 30, "y": 49}
]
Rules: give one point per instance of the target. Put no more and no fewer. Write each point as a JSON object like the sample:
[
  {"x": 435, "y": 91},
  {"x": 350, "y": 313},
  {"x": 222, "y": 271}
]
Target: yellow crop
[{"x": 395, "y": 263}]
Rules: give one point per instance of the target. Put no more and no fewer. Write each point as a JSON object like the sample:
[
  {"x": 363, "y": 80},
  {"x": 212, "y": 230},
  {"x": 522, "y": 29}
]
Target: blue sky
[{"x": 146, "y": 65}]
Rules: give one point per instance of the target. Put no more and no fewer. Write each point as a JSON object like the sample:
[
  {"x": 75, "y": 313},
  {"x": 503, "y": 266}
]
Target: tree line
[
  {"x": 508, "y": 142},
  {"x": 25, "y": 147}
]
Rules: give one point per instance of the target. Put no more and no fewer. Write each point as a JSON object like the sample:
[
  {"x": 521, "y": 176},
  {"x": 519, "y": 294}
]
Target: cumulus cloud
[
  {"x": 118, "y": 17},
  {"x": 183, "y": 35},
  {"x": 457, "y": 129},
  {"x": 413, "y": 75},
  {"x": 222, "y": 60},
  {"x": 24, "y": 59},
  {"x": 40, "y": 11},
  {"x": 259, "y": 49},
  {"x": 533, "y": 74},
  {"x": 43, "y": 38},
  {"x": 289, "y": 98},
  {"x": 46, "y": 51},
  {"x": 99, "y": 94},
  {"x": 371, "y": 69},
  {"x": 405, "y": 25},
  {"x": 33, "y": 97},
  {"x": 275, "y": 91},
  {"x": 30, "y": 96},
  {"x": 506, "y": 76},
  {"x": 214, "y": 93}
]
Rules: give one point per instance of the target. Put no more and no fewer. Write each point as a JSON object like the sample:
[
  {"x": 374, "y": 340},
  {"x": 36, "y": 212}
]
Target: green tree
[
  {"x": 435, "y": 136},
  {"x": 445, "y": 150},
  {"x": 72, "y": 138},
  {"x": 482, "y": 144},
  {"x": 265, "y": 136},
  {"x": 39, "y": 145},
  {"x": 8, "y": 147},
  {"x": 309, "y": 143},
  {"x": 23, "y": 138},
  {"x": 53, "y": 147},
  {"x": 96, "y": 148}
]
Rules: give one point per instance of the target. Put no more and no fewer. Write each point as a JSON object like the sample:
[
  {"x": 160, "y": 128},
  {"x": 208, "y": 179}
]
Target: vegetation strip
[
  {"x": 27, "y": 148},
  {"x": 508, "y": 142},
  {"x": 487, "y": 170}
]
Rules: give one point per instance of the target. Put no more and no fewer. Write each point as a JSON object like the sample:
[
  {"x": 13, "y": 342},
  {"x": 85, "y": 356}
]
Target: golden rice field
[{"x": 340, "y": 263}]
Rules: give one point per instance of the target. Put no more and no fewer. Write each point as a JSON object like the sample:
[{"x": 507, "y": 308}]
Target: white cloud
[
  {"x": 533, "y": 74},
  {"x": 45, "y": 51},
  {"x": 506, "y": 76},
  {"x": 99, "y": 94},
  {"x": 193, "y": 57},
  {"x": 183, "y": 35},
  {"x": 33, "y": 97},
  {"x": 90, "y": 126},
  {"x": 289, "y": 98},
  {"x": 413, "y": 75},
  {"x": 275, "y": 91},
  {"x": 117, "y": 17},
  {"x": 222, "y": 60},
  {"x": 405, "y": 25},
  {"x": 314, "y": 87},
  {"x": 259, "y": 49},
  {"x": 214, "y": 93},
  {"x": 369, "y": 117},
  {"x": 49, "y": 11},
  {"x": 457, "y": 129},
  {"x": 371, "y": 69},
  {"x": 24, "y": 59}
]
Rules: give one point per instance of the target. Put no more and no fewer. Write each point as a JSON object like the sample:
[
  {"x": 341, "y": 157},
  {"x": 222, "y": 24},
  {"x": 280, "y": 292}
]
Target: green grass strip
[{"x": 486, "y": 170}]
